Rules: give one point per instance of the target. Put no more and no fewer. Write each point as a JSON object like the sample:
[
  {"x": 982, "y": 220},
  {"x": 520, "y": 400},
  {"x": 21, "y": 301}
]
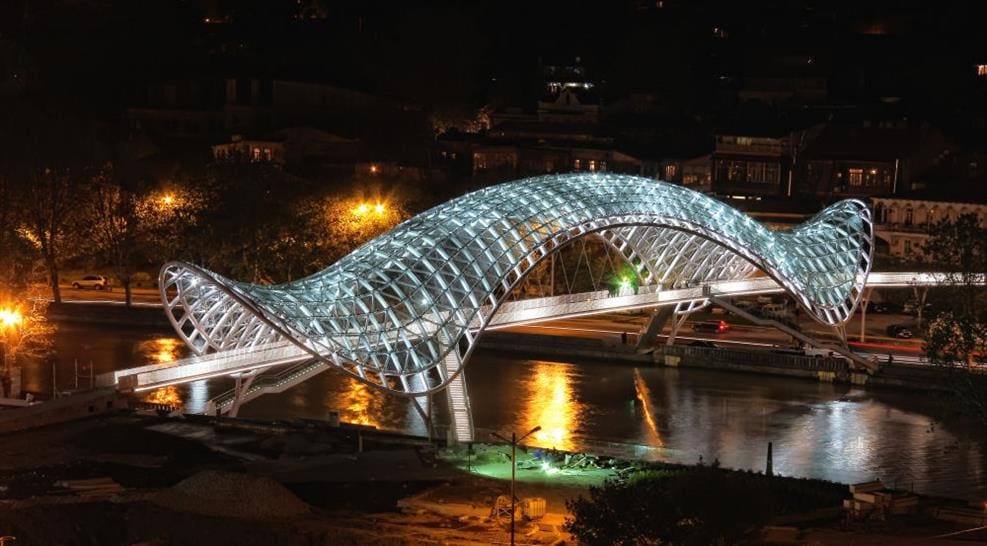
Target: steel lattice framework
[{"x": 404, "y": 310}]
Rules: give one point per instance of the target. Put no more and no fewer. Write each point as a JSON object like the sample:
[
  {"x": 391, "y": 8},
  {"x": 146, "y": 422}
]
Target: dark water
[{"x": 818, "y": 430}]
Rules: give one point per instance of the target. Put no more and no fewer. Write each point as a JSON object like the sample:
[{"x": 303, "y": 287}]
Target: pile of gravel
[{"x": 230, "y": 494}]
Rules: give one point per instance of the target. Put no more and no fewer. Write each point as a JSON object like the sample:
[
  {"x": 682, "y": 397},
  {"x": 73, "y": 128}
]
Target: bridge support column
[
  {"x": 682, "y": 312},
  {"x": 864, "y": 304},
  {"x": 243, "y": 382},
  {"x": 656, "y": 323}
]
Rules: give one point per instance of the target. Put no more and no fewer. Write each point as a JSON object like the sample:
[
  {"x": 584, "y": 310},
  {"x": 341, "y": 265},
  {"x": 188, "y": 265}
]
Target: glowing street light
[
  {"x": 379, "y": 208},
  {"x": 361, "y": 209},
  {"x": 514, "y": 442},
  {"x": 168, "y": 199},
  {"x": 9, "y": 318}
]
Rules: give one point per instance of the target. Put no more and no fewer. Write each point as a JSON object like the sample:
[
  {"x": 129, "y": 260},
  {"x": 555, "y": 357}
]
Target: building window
[
  {"x": 908, "y": 216},
  {"x": 592, "y": 164},
  {"x": 881, "y": 212},
  {"x": 602, "y": 164},
  {"x": 982, "y": 70},
  {"x": 577, "y": 164},
  {"x": 908, "y": 247},
  {"x": 255, "y": 154},
  {"x": 856, "y": 177},
  {"x": 549, "y": 166},
  {"x": 671, "y": 171},
  {"x": 268, "y": 154}
]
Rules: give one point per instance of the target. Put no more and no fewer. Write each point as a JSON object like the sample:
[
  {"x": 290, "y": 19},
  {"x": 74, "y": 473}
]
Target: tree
[
  {"x": 957, "y": 337},
  {"x": 16, "y": 255},
  {"x": 53, "y": 219},
  {"x": 24, "y": 332},
  {"x": 131, "y": 224},
  {"x": 703, "y": 506}
]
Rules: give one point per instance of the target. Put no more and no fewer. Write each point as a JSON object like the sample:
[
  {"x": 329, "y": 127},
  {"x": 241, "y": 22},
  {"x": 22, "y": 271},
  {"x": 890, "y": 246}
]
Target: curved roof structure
[{"x": 403, "y": 310}]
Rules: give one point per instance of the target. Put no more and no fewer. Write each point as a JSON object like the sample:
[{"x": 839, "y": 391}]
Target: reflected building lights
[
  {"x": 161, "y": 351},
  {"x": 354, "y": 404},
  {"x": 644, "y": 395},
  {"x": 551, "y": 405}
]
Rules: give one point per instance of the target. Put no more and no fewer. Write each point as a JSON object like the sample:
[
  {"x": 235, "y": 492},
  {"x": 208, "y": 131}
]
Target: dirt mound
[{"x": 230, "y": 494}]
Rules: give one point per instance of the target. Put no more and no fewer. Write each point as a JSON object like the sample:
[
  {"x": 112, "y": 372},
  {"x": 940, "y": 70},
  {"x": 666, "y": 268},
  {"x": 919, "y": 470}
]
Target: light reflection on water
[
  {"x": 818, "y": 430},
  {"x": 162, "y": 350},
  {"x": 551, "y": 405},
  {"x": 357, "y": 405}
]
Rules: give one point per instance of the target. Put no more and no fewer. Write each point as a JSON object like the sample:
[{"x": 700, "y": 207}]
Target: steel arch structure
[{"x": 404, "y": 310}]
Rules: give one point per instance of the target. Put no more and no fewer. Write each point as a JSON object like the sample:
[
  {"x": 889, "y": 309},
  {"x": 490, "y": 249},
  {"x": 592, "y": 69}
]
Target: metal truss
[{"x": 403, "y": 311}]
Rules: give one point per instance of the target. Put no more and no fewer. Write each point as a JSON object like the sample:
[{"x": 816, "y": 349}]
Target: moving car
[
  {"x": 96, "y": 282},
  {"x": 901, "y": 331},
  {"x": 713, "y": 326}
]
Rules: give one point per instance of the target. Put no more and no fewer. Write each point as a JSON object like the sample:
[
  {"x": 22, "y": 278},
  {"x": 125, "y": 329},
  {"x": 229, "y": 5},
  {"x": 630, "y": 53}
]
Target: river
[{"x": 833, "y": 432}]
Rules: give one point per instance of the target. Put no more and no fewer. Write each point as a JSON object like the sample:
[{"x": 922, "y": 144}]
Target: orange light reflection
[
  {"x": 644, "y": 395},
  {"x": 168, "y": 396},
  {"x": 552, "y": 406},
  {"x": 355, "y": 405}
]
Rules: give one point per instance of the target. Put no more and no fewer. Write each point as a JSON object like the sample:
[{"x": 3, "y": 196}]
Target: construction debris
[
  {"x": 93, "y": 487},
  {"x": 872, "y": 499}
]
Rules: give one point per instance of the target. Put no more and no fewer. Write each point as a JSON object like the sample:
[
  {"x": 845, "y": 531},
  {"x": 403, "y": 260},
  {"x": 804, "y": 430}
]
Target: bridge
[{"x": 403, "y": 312}]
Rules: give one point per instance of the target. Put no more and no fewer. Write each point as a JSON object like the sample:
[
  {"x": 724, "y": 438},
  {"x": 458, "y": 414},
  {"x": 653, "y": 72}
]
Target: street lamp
[
  {"x": 514, "y": 442},
  {"x": 9, "y": 318}
]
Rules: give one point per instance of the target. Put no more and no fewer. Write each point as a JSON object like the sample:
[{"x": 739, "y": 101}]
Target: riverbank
[
  {"x": 825, "y": 370},
  {"x": 127, "y": 479}
]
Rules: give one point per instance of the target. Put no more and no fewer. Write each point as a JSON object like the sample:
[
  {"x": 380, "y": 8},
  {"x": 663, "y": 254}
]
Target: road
[
  {"x": 740, "y": 335},
  {"x": 115, "y": 294}
]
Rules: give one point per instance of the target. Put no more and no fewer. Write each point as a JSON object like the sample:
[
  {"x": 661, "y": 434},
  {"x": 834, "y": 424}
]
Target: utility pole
[{"x": 514, "y": 442}]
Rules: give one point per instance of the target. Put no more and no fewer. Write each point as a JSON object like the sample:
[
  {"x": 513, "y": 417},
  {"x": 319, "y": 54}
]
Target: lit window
[
  {"x": 744, "y": 141},
  {"x": 255, "y": 154},
  {"x": 592, "y": 164},
  {"x": 268, "y": 154},
  {"x": 982, "y": 70},
  {"x": 577, "y": 164},
  {"x": 856, "y": 177},
  {"x": 670, "y": 171}
]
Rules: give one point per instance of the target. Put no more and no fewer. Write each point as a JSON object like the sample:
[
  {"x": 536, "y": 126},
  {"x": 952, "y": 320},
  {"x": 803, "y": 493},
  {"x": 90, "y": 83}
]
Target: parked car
[
  {"x": 911, "y": 307},
  {"x": 901, "y": 331},
  {"x": 713, "y": 326},
  {"x": 880, "y": 308},
  {"x": 776, "y": 310},
  {"x": 744, "y": 304},
  {"x": 819, "y": 352},
  {"x": 95, "y": 282}
]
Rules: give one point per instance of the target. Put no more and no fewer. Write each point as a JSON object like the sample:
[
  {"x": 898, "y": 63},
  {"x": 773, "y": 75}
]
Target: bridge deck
[{"x": 510, "y": 314}]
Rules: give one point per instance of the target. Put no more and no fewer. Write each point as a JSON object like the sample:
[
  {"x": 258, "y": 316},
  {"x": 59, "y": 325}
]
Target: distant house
[
  {"x": 954, "y": 187},
  {"x": 752, "y": 161},
  {"x": 901, "y": 223},
  {"x": 862, "y": 161},
  {"x": 697, "y": 173},
  {"x": 293, "y": 145}
]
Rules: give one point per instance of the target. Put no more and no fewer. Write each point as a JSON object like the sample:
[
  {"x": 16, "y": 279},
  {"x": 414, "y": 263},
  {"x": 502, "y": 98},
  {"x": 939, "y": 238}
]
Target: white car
[{"x": 96, "y": 282}]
